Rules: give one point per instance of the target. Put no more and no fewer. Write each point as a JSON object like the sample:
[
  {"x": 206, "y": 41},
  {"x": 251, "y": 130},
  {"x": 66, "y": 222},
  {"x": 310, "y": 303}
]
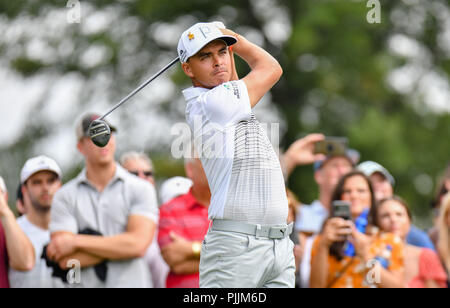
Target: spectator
[
  {"x": 327, "y": 172},
  {"x": 383, "y": 184},
  {"x": 335, "y": 269},
  {"x": 444, "y": 234},
  {"x": 182, "y": 227},
  {"x": 443, "y": 189},
  {"x": 174, "y": 187},
  {"x": 423, "y": 268},
  {"x": 140, "y": 165},
  {"x": 117, "y": 207},
  {"x": 40, "y": 178},
  {"x": 16, "y": 250},
  {"x": 294, "y": 206},
  {"x": 20, "y": 202}
]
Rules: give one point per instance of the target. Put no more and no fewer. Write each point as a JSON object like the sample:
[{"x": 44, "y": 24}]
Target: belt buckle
[{"x": 278, "y": 232}]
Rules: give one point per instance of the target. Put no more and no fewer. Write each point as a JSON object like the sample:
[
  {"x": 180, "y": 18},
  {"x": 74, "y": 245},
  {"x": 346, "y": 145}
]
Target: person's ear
[
  {"x": 447, "y": 184},
  {"x": 318, "y": 177},
  {"x": 187, "y": 69},
  {"x": 80, "y": 146}
]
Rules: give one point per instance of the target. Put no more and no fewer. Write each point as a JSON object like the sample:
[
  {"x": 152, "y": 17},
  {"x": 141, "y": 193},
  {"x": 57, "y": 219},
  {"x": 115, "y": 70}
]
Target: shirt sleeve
[
  {"x": 430, "y": 267},
  {"x": 144, "y": 201},
  {"x": 62, "y": 216},
  {"x": 227, "y": 104},
  {"x": 168, "y": 222}
]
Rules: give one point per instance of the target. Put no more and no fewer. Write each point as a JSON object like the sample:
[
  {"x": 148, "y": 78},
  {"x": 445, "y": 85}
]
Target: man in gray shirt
[{"x": 106, "y": 199}]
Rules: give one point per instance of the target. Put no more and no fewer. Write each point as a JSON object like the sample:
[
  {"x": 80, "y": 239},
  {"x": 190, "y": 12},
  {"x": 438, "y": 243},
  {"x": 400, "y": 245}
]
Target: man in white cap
[
  {"x": 383, "y": 182},
  {"x": 248, "y": 243},
  {"x": 40, "y": 179},
  {"x": 16, "y": 250}
]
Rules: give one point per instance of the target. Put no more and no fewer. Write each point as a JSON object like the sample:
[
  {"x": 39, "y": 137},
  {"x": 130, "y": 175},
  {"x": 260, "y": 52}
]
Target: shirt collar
[
  {"x": 193, "y": 92},
  {"x": 120, "y": 175},
  {"x": 191, "y": 202}
]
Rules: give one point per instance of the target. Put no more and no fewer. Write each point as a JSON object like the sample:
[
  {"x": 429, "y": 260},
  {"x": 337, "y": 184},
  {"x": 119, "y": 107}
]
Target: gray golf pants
[{"x": 236, "y": 260}]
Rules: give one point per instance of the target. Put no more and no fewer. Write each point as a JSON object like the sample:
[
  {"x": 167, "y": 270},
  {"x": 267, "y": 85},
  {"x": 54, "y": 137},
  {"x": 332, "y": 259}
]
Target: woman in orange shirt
[
  {"x": 378, "y": 259},
  {"x": 423, "y": 268}
]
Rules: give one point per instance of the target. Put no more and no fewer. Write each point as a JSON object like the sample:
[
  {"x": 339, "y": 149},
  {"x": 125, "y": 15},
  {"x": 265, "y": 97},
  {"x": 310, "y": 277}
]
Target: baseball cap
[
  {"x": 352, "y": 155},
  {"x": 3, "y": 186},
  {"x": 371, "y": 167},
  {"x": 82, "y": 129},
  {"x": 198, "y": 36},
  {"x": 174, "y": 187},
  {"x": 37, "y": 164}
]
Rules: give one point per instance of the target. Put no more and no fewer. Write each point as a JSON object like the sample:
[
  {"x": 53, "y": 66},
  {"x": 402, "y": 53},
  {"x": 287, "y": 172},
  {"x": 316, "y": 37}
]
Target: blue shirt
[
  {"x": 419, "y": 238},
  {"x": 311, "y": 218}
]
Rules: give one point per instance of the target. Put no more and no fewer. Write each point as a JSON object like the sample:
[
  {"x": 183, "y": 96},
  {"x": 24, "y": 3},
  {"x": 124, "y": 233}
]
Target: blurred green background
[{"x": 383, "y": 85}]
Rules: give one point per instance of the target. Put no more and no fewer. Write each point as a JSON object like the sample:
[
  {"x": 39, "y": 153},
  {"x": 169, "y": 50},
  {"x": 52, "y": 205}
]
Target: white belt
[{"x": 272, "y": 232}]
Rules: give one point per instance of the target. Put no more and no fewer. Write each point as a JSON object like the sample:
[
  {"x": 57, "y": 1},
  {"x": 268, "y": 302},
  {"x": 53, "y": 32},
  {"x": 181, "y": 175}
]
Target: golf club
[{"x": 99, "y": 131}]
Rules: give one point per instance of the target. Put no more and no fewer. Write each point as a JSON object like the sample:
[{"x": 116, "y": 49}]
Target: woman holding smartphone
[{"x": 377, "y": 258}]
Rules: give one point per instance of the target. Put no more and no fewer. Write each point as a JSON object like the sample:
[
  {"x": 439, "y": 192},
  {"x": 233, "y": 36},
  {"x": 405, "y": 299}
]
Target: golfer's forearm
[
  {"x": 255, "y": 56},
  {"x": 20, "y": 250},
  {"x": 119, "y": 247}
]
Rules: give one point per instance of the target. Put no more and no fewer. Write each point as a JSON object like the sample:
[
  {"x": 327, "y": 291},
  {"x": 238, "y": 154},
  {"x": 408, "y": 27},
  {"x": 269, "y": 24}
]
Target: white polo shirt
[{"x": 242, "y": 168}]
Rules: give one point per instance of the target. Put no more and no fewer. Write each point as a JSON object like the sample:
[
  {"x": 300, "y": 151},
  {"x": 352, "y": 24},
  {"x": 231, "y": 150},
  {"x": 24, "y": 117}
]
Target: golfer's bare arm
[{"x": 265, "y": 69}]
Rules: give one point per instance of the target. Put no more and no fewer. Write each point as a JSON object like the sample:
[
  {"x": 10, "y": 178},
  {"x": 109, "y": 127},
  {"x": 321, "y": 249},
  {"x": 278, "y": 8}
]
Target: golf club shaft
[{"x": 140, "y": 87}]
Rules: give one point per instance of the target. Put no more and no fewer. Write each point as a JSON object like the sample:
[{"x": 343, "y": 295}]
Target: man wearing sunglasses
[
  {"x": 138, "y": 164},
  {"x": 141, "y": 166}
]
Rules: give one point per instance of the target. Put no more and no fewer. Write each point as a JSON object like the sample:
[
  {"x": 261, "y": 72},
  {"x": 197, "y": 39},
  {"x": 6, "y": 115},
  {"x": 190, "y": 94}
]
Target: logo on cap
[{"x": 191, "y": 36}]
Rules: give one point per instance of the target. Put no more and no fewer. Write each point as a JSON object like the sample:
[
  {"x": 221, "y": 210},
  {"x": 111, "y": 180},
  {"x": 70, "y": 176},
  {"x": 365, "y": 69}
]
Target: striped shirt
[{"x": 243, "y": 170}]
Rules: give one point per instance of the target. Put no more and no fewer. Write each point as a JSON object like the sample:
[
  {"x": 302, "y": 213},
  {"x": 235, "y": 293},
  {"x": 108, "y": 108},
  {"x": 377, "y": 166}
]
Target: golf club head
[{"x": 100, "y": 133}]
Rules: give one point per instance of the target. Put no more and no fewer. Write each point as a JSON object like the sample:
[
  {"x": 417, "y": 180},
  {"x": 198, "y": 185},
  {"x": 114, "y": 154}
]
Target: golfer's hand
[
  {"x": 61, "y": 246},
  {"x": 178, "y": 250}
]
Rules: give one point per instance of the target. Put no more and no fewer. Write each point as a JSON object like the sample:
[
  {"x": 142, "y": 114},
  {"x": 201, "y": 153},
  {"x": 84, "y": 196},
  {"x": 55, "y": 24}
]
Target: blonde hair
[{"x": 444, "y": 231}]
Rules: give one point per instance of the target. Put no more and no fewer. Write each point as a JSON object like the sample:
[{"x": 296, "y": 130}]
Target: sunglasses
[{"x": 146, "y": 173}]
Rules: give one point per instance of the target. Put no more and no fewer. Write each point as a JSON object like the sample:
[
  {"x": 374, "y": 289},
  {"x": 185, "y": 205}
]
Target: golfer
[{"x": 248, "y": 242}]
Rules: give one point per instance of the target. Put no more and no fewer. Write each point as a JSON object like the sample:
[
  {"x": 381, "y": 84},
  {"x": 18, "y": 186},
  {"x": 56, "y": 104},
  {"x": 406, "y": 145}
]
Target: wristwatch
[{"x": 196, "y": 249}]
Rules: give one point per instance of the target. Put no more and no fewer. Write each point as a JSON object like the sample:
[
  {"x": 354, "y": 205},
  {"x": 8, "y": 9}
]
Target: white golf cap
[
  {"x": 174, "y": 187},
  {"x": 3, "y": 186},
  {"x": 198, "y": 36},
  {"x": 371, "y": 167},
  {"x": 37, "y": 164}
]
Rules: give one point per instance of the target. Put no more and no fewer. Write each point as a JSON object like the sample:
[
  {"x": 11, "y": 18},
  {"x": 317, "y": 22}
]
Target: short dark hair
[{"x": 19, "y": 196}]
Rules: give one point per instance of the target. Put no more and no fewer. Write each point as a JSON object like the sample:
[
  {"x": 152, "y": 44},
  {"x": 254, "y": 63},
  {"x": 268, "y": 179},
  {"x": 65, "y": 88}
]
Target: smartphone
[
  {"x": 341, "y": 209},
  {"x": 332, "y": 146}
]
